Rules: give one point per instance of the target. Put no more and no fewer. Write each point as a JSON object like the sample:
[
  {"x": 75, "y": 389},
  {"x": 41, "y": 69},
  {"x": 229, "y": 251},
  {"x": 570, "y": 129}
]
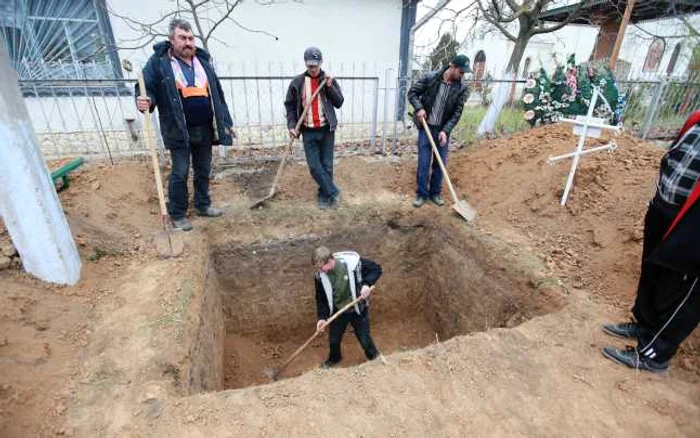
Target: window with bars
[{"x": 59, "y": 39}]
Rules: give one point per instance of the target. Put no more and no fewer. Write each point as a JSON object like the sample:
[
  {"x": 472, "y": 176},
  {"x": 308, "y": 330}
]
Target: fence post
[
  {"x": 653, "y": 107},
  {"x": 386, "y": 108},
  {"x": 375, "y": 109}
]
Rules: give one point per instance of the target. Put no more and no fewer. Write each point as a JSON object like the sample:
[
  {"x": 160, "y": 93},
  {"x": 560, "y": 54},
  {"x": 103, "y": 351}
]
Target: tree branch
[
  {"x": 229, "y": 10},
  {"x": 264, "y": 32},
  {"x": 574, "y": 14},
  {"x": 490, "y": 19}
]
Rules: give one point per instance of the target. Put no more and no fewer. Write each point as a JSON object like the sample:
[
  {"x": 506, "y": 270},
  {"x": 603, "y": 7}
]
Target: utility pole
[{"x": 29, "y": 204}]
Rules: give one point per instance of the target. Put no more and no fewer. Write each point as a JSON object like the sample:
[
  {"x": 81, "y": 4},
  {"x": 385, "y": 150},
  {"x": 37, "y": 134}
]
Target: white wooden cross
[{"x": 586, "y": 126}]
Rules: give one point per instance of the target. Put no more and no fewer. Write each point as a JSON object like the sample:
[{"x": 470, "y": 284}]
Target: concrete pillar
[{"x": 29, "y": 204}]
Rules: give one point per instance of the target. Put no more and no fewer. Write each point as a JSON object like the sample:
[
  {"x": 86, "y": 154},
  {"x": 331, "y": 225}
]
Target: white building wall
[
  {"x": 359, "y": 32},
  {"x": 639, "y": 37},
  {"x": 543, "y": 50}
]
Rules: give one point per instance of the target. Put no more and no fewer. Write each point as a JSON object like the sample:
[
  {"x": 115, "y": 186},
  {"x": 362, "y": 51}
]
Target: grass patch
[
  {"x": 509, "y": 122},
  {"x": 99, "y": 252}
]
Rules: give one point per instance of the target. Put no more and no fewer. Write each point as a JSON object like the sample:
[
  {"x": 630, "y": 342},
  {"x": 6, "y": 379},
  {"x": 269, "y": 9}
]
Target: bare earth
[{"x": 135, "y": 348}]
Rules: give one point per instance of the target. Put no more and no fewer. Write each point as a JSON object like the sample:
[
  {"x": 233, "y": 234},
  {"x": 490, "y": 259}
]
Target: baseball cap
[
  {"x": 462, "y": 63},
  {"x": 312, "y": 56}
]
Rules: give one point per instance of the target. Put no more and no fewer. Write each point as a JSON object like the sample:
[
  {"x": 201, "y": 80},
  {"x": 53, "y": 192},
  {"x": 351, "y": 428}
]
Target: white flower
[
  {"x": 529, "y": 115},
  {"x": 530, "y": 83},
  {"x": 528, "y": 98}
]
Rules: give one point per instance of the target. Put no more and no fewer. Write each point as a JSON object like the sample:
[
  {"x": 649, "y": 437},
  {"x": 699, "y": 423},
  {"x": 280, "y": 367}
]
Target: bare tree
[
  {"x": 526, "y": 15},
  {"x": 505, "y": 14},
  {"x": 199, "y": 13}
]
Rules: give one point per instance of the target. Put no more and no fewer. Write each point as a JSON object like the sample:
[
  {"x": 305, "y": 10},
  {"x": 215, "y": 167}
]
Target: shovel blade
[
  {"x": 464, "y": 209},
  {"x": 168, "y": 245}
]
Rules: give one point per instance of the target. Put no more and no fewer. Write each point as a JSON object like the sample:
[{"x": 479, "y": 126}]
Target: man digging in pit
[
  {"x": 340, "y": 277},
  {"x": 667, "y": 307},
  {"x": 193, "y": 114}
]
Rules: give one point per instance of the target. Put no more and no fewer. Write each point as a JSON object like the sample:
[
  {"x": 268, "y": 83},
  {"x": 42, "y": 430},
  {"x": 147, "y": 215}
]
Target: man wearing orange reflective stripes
[
  {"x": 318, "y": 127},
  {"x": 193, "y": 115}
]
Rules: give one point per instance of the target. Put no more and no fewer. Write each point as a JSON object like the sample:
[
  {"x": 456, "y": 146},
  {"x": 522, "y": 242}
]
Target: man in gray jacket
[
  {"x": 438, "y": 98},
  {"x": 318, "y": 127}
]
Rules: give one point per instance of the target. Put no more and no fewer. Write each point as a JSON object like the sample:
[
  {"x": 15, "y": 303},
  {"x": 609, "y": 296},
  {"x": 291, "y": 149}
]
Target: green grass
[{"x": 509, "y": 121}]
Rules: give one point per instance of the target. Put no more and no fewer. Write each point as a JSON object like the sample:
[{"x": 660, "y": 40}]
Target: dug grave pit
[{"x": 436, "y": 284}]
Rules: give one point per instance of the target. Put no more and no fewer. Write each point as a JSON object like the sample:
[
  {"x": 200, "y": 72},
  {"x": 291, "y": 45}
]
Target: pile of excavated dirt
[{"x": 510, "y": 345}]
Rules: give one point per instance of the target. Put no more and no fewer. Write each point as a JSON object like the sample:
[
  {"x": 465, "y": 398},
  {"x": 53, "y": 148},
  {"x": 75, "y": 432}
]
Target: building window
[
  {"x": 654, "y": 55},
  {"x": 59, "y": 39},
  {"x": 673, "y": 60}
]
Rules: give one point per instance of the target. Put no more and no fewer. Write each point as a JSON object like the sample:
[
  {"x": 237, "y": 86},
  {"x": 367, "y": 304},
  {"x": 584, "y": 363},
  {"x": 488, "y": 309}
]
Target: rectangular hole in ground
[{"x": 434, "y": 283}]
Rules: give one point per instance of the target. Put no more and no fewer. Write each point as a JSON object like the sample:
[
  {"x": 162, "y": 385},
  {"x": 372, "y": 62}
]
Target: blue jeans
[
  {"x": 430, "y": 185},
  {"x": 200, "y": 150},
  {"x": 318, "y": 147}
]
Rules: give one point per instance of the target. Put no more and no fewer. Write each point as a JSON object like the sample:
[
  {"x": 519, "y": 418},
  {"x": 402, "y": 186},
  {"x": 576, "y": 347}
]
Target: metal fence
[{"x": 98, "y": 118}]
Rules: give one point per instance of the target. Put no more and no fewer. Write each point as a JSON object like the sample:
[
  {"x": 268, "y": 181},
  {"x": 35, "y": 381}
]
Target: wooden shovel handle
[
  {"x": 439, "y": 160},
  {"x": 288, "y": 149},
  {"x": 152, "y": 148},
  {"x": 335, "y": 316}
]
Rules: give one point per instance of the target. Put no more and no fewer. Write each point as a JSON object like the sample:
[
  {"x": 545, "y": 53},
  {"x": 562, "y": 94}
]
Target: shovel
[
  {"x": 167, "y": 245},
  {"x": 461, "y": 207},
  {"x": 288, "y": 150},
  {"x": 275, "y": 374}
]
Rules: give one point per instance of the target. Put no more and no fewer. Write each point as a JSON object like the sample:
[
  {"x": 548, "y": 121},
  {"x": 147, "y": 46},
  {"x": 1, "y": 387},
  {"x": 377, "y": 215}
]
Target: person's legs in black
[
  {"x": 656, "y": 222},
  {"x": 177, "y": 182},
  {"x": 361, "y": 325},
  {"x": 201, "y": 147},
  {"x": 676, "y": 306},
  {"x": 335, "y": 338}
]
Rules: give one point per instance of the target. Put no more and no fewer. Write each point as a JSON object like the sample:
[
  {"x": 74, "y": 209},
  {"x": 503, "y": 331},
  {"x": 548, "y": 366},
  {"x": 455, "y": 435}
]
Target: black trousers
[
  {"x": 200, "y": 150},
  {"x": 361, "y": 325},
  {"x": 668, "y": 302}
]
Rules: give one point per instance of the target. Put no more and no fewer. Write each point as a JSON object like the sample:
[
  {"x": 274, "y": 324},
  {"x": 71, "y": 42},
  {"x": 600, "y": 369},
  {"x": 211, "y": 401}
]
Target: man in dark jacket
[
  {"x": 193, "y": 115},
  {"x": 340, "y": 279},
  {"x": 318, "y": 127},
  {"x": 667, "y": 307},
  {"x": 438, "y": 98}
]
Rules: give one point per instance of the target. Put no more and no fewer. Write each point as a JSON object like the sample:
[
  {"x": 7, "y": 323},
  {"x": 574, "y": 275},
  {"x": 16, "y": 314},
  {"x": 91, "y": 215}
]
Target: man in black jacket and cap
[
  {"x": 340, "y": 279},
  {"x": 438, "y": 97},
  {"x": 193, "y": 115}
]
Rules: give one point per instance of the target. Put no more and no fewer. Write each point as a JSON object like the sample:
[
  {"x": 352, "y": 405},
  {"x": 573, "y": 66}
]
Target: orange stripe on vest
[{"x": 193, "y": 91}]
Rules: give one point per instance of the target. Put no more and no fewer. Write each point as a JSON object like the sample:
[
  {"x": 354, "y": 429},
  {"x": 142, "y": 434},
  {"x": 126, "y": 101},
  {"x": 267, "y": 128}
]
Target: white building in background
[
  {"x": 490, "y": 54},
  {"x": 67, "y": 40},
  {"x": 642, "y": 56},
  {"x": 354, "y": 35}
]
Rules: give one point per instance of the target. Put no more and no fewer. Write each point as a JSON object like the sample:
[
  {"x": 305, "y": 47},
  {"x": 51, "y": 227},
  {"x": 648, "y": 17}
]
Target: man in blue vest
[
  {"x": 340, "y": 279},
  {"x": 193, "y": 115}
]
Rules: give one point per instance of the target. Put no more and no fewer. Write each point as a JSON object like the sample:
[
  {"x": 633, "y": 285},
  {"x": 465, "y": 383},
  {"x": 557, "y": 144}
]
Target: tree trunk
[
  {"x": 501, "y": 91},
  {"x": 518, "y": 52}
]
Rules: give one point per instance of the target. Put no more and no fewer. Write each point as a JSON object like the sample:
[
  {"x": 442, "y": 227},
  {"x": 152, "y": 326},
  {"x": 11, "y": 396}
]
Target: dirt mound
[{"x": 117, "y": 350}]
